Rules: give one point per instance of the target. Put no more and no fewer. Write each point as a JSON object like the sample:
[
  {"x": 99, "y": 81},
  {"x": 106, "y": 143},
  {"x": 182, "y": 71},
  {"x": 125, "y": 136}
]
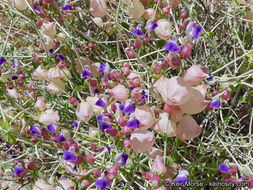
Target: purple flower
[
  {"x": 215, "y": 104},
  {"x": 66, "y": 8},
  {"x": 133, "y": 124},
  {"x": 36, "y": 8},
  {"x": 121, "y": 107},
  {"x": 223, "y": 168},
  {"x": 108, "y": 149},
  {"x": 86, "y": 74},
  {"x": 18, "y": 170},
  {"x": 182, "y": 179},
  {"x": 172, "y": 47},
  {"x": 153, "y": 26},
  {"x": 138, "y": 32},
  {"x": 75, "y": 124},
  {"x": 51, "y": 50},
  {"x": 14, "y": 77},
  {"x": 69, "y": 156},
  {"x": 124, "y": 158},
  {"x": 96, "y": 91},
  {"x": 209, "y": 78},
  {"x": 100, "y": 118},
  {"x": 196, "y": 31},
  {"x": 105, "y": 126},
  {"x": 2, "y": 60},
  {"x": 61, "y": 138},
  {"x": 61, "y": 57},
  {"x": 51, "y": 129},
  {"x": 129, "y": 109},
  {"x": 35, "y": 131},
  {"x": 100, "y": 103},
  {"x": 102, "y": 183},
  {"x": 102, "y": 68}
]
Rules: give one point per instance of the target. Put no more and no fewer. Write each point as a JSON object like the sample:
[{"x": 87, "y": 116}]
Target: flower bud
[
  {"x": 40, "y": 104},
  {"x": 90, "y": 158},
  {"x": 136, "y": 94},
  {"x": 127, "y": 144},
  {"x": 129, "y": 53}
]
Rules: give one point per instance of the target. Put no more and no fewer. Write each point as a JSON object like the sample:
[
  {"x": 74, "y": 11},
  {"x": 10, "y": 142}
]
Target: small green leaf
[
  {"x": 5, "y": 125},
  {"x": 10, "y": 138},
  {"x": 170, "y": 161}
]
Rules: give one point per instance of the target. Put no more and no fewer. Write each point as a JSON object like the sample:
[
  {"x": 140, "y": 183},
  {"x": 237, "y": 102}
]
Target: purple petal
[
  {"x": 124, "y": 158},
  {"x": 51, "y": 50},
  {"x": 75, "y": 124},
  {"x": 105, "y": 126},
  {"x": 100, "y": 103},
  {"x": 137, "y": 32},
  {"x": 108, "y": 149},
  {"x": 121, "y": 107},
  {"x": 51, "y": 129},
  {"x": 61, "y": 138},
  {"x": 172, "y": 47},
  {"x": 215, "y": 104},
  {"x": 18, "y": 170},
  {"x": 223, "y": 168},
  {"x": 182, "y": 179},
  {"x": 129, "y": 109},
  {"x": 96, "y": 91},
  {"x": 100, "y": 118},
  {"x": 196, "y": 31},
  {"x": 35, "y": 131},
  {"x": 102, "y": 183},
  {"x": 14, "y": 77},
  {"x": 69, "y": 156},
  {"x": 2, "y": 60},
  {"x": 36, "y": 8},
  {"x": 154, "y": 25},
  {"x": 61, "y": 57},
  {"x": 102, "y": 68},
  {"x": 86, "y": 74},
  {"x": 134, "y": 124},
  {"x": 66, "y": 8}
]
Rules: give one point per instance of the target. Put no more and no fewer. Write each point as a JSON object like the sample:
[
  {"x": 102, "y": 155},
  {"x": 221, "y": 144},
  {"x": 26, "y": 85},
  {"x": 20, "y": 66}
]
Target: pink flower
[
  {"x": 41, "y": 184},
  {"x": 84, "y": 111},
  {"x": 98, "y": 8},
  {"x": 55, "y": 73},
  {"x": 153, "y": 152},
  {"x": 126, "y": 130},
  {"x": 49, "y": 42},
  {"x": 188, "y": 128},
  {"x": 164, "y": 122},
  {"x": 40, "y": 73},
  {"x": 149, "y": 14},
  {"x": 13, "y": 93},
  {"x": 174, "y": 91},
  {"x": 56, "y": 87},
  {"x": 173, "y": 60},
  {"x": 176, "y": 114},
  {"x": 90, "y": 158},
  {"x": 40, "y": 104},
  {"x": 194, "y": 75},
  {"x": 66, "y": 184},
  {"x": 49, "y": 116},
  {"x": 127, "y": 144},
  {"x": 134, "y": 80},
  {"x": 142, "y": 140},
  {"x": 164, "y": 29},
  {"x": 197, "y": 102},
  {"x": 146, "y": 117},
  {"x": 187, "y": 51},
  {"x": 136, "y": 94},
  {"x": 48, "y": 29},
  {"x": 135, "y": 9},
  {"x": 119, "y": 93},
  {"x": 158, "y": 166},
  {"x": 85, "y": 183}
]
